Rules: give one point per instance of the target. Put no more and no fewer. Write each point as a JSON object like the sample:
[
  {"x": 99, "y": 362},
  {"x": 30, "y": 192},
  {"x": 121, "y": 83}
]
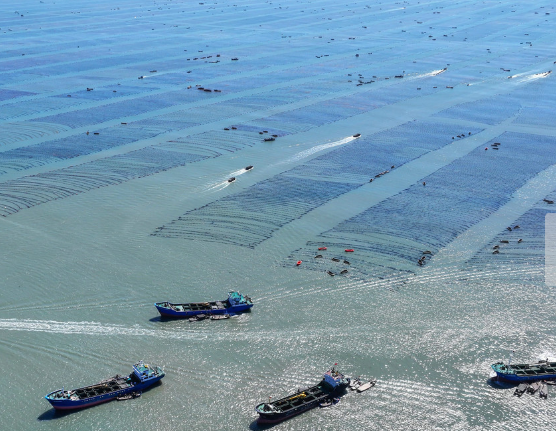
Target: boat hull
[
  {"x": 167, "y": 312},
  {"x": 279, "y": 417},
  {"x": 68, "y": 404},
  {"x": 512, "y": 378}
]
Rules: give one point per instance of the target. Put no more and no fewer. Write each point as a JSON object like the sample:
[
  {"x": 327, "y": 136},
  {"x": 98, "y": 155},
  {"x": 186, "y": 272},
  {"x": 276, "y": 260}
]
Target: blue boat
[
  {"x": 142, "y": 377},
  {"x": 517, "y": 373},
  {"x": 236, "y": 303}
]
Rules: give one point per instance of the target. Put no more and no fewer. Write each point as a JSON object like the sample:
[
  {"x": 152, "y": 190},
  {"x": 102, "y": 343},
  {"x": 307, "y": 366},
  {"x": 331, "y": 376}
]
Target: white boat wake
[
  {"x": 221, "y": 185},
  {"x": 89, "y": 328},
  {"x": 306, "y": 153},
  {"x": 523, "y": 77}
]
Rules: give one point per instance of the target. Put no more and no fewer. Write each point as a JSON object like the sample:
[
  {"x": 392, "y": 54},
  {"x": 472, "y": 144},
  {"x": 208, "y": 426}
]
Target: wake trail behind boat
[
  {"x": 316, "y": 149},
  {"x": 221, "y": 185}
]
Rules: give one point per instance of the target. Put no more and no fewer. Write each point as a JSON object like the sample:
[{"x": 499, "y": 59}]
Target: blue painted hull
[
  {"x": 67, "y": 404},
  {"x": 168, "y": 312},
  {"x": 513, "y": 378}
]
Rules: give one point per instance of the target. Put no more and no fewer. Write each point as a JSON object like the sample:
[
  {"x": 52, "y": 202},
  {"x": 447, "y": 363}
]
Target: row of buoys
[
  {"x": 381, "y": 174},
  {"x": 207, "y": 90}
]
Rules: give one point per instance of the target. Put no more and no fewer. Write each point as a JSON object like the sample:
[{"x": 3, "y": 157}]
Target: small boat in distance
[
  {"x": 322, "y": 248},
  {"x": 332, "y": 386},
  {"x": 142, "y": 377},
  {"x": 248, "y": 168},
  {"x": 236, "y": 303},
  {"x": 231, "y": 180},
  {"x": 517, "y": 373},
  {"x": 357, "y": 135}
]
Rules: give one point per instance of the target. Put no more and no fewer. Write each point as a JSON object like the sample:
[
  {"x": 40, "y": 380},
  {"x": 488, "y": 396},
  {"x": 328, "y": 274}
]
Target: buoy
[
  {"x": 322, "y": 248},
  {"x": 349, "y": 250},
  {"x": 299, "y": 262}
]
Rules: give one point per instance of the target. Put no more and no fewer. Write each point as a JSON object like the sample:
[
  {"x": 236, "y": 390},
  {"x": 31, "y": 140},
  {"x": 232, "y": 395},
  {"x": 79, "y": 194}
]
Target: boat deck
[
  {"x": 534, "y": 370},
  {"x": 306, "y": 396},
  {"x": 110, "y": 385}
]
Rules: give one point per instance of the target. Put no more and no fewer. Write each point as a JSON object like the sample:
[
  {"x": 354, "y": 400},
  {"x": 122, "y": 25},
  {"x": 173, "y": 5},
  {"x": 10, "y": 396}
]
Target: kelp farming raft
[
  {"x": 332, "y": 386},
  {"x": 117, "y": 387},
  {"x": 236, "y": 303}
]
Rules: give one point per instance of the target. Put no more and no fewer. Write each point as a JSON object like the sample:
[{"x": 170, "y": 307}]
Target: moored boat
[
  {"x": 236, "y": 303},
  {"x": 332, "y": 386},
  {"x": 542, "y": 370},
  {"x": 142, "y": 377},
  {"x": 364, "y": 386}
]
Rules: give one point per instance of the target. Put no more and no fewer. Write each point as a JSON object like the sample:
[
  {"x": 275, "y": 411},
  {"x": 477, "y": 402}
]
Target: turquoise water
[{"x": 116, "y": 197}]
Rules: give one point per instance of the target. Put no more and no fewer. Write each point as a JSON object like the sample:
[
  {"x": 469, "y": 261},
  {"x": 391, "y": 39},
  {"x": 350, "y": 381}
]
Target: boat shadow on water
[
  {"x": 53, "y": 414},
  {"x": 255, "y": 426},
  {"x": 496, "y": 383}
]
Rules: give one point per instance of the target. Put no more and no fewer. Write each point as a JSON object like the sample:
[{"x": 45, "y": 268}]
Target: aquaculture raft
[
  {"x": 236, "y": 303},
  {"x": 331, "y": 386},
  {"x": 142, "y": 377}
]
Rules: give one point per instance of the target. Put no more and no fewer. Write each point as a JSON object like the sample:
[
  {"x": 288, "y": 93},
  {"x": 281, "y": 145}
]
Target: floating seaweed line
[
  {"x": 397, "y": 231},
  {"x": 33, "y": 190}
]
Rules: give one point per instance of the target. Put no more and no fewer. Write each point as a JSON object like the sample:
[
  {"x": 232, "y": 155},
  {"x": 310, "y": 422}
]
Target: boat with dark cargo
[
  {"x": 142, "y": 377},
  {"x": 236, "y": 303},
  {"x": 331, "y": 387},
  {"x": 517, "y": 373}
]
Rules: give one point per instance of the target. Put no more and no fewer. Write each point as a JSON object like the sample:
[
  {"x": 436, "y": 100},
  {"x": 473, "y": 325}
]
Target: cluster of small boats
[{"x": 532, "y": 388}]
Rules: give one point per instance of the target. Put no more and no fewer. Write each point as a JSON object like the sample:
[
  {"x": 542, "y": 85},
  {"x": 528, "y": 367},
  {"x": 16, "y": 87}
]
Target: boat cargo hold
[{"x": 517, "y": 373}]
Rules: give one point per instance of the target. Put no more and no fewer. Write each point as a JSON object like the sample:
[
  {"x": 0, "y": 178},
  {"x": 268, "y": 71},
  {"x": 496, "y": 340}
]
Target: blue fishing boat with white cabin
[
  {"x": 236, "y": 303},
  {"x": 142, "y": 377}
]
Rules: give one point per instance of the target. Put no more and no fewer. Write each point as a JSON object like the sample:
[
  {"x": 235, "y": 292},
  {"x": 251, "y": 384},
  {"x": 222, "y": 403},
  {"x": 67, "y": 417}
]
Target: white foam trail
[
  {"x": 532, "y": 77},
  {"x": 89, "y": 328},
  {"x": 221, "y": 185},
  {"x": 429, "y": 74},
  {"x": 317, "y": 148}
]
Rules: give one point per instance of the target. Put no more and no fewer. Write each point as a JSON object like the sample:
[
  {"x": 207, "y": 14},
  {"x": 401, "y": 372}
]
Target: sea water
[{"x": 114, "y": 194}]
